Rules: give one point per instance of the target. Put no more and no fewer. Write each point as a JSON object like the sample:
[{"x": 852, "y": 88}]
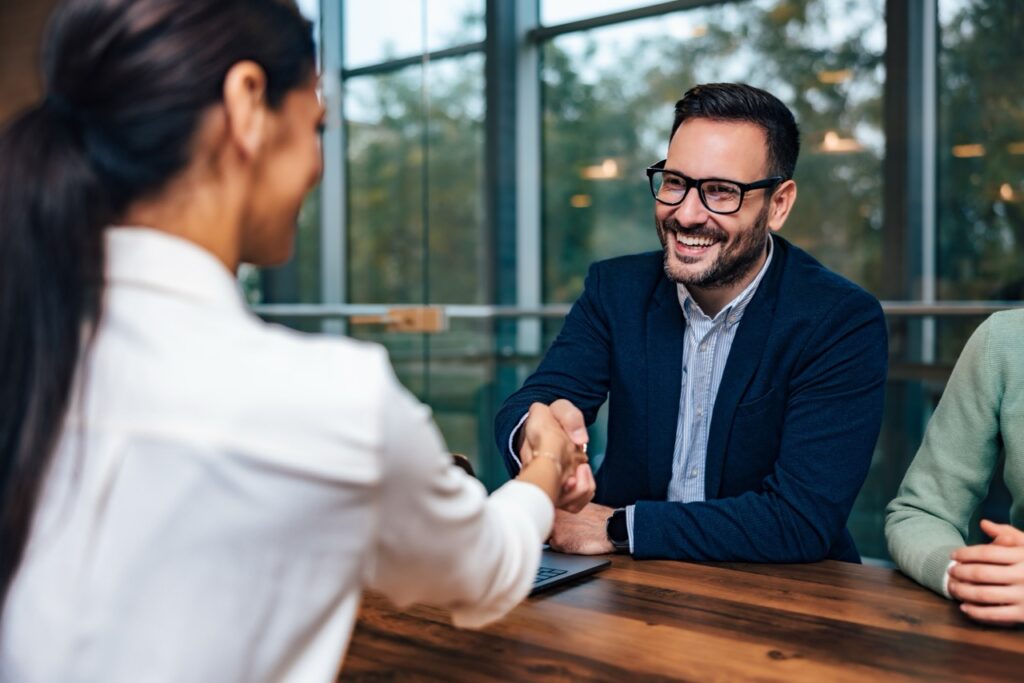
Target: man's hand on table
[
  {"x": 989, "y": 578},
  {"x": 584, "y": 533}
]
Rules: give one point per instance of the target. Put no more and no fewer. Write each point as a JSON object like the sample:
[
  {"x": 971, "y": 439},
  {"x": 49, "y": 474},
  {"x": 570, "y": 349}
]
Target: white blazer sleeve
[{"x": 441, "y": 540}]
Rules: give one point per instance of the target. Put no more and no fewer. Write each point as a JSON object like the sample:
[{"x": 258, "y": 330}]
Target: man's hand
[
  {"x": 584, "y": 533},
  {"x": 578, "y": 490},
  {"x": 989, "y": 578},
  {"x": 580, "y": 487}
]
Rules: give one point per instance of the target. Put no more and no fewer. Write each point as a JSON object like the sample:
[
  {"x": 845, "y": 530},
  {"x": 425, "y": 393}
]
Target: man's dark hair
[{"x": 742, "y": 102}]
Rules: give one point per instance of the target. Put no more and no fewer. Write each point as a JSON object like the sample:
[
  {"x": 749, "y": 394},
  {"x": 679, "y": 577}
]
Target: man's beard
[{"x": 734, "y": 261}]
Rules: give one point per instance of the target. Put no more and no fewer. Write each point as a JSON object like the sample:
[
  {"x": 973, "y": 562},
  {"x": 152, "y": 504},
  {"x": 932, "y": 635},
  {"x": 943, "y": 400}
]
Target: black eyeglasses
[{"x": 716, "y": 194}]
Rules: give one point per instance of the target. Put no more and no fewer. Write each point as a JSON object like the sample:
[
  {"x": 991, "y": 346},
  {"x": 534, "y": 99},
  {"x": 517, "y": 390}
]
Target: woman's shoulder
[{"x": 1006, "y": 327}]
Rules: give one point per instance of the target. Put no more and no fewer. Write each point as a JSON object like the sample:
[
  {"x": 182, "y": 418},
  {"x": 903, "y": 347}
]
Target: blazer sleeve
[
  {"x": 576, "y": 368},
  {"x": 951, "y": 473},
  {"x": 832, "y": 419},
  {"x": 440, "y": 539}
]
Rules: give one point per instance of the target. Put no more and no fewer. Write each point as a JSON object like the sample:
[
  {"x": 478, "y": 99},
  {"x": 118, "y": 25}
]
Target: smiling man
[{"x": 745, "y": 381}]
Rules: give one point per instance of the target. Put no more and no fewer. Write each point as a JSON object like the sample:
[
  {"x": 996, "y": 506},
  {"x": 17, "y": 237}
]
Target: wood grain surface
[{"x": 661, "y": 621}]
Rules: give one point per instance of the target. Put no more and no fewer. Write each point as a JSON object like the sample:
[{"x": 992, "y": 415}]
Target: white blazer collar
[{"x": 153, "y": 259}]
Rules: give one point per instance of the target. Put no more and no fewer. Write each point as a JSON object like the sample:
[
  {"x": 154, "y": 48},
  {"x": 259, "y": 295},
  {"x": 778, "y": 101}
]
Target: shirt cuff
[
  {"x": 629, "y": 526},
  {"x": 512, "y": 440},
  {"x": 945, "y": 578}
]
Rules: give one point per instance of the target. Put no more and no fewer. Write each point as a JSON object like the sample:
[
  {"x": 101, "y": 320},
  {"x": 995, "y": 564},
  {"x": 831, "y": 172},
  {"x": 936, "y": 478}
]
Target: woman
[
  {"x": 980, "y": 416},
  {"x": 189, "y": 494}
]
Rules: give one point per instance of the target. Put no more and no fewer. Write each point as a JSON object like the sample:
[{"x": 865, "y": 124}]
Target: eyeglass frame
[{"x": 698, "y": 183}]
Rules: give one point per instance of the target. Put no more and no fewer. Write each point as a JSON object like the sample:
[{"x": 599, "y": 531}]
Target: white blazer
[{"x": 223, "y": 490}]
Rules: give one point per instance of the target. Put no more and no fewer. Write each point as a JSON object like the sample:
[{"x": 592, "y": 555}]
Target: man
[{"x": 745, "y": 381}]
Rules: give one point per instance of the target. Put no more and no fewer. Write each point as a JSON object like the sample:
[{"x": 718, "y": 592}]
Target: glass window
[
  {"x": 980, "y": 151},
  {"x": 608, "y": 102},
  {"x": 416, "y": 200},
  {"x": 417, "y": 233},
  {"x": 377, "y": 32}
]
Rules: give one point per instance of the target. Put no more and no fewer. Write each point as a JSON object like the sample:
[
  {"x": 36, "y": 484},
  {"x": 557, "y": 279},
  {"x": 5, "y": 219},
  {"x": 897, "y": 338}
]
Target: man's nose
[{"x": 691, "y": 211}]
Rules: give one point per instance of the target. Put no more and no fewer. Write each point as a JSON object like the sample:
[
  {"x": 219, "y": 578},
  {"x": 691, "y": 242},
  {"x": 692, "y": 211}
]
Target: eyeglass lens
[{"x": 719, "y": 196}]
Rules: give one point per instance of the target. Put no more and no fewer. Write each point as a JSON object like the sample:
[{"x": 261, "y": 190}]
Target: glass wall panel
[
  {"x": 416, "y": 202},
  {"x": 417, "y": 234},
  {"x": 608, "y": 99},
  {"x": 377, "y": 32},
  {"x": 981, "y": 150}
]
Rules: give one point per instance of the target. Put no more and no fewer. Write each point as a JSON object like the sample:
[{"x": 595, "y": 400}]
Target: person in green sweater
[{"x": 981, "y": 414}]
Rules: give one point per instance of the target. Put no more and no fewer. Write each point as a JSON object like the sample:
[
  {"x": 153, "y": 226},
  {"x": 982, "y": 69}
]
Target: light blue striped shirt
[{"x": 706, "y": 345}]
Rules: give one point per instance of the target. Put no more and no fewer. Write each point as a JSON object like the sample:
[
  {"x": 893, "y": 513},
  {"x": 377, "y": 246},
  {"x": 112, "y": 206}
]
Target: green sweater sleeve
[{"x": 951, "y": 472}]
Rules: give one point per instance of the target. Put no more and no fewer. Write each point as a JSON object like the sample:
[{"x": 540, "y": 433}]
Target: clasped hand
[
  {"x": 988, "y": 578},
  {"x": 578, "y": 486}
]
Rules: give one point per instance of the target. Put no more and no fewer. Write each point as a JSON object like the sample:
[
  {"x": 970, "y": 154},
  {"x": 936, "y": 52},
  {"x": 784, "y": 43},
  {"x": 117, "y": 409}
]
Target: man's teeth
[{"x": 689, "y": 241}]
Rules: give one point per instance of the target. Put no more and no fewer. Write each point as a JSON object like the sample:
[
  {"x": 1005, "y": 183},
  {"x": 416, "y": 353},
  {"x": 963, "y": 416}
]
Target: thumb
[
  {"x": 571, "y": 419},
  {"x": 1003, "y": 534}
]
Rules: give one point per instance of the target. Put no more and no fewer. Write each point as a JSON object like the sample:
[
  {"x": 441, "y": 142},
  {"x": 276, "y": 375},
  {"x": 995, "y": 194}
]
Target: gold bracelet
[{"x": 552, "y": 457}]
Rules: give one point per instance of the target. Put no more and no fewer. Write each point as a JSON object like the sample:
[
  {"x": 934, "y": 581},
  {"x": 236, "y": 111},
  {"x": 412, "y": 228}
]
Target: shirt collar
[
  {"x": 733, "y": 311},
  {"x": 156, "y": 260}
]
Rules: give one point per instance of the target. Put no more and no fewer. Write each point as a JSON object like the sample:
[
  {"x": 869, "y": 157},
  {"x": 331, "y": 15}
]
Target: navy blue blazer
[{"x": 795, "y": 420}]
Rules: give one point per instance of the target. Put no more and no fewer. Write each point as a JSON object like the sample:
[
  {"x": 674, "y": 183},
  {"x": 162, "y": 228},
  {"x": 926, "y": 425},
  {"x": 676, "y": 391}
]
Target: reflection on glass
[
  {"x": 416, "y": 199},
  {"x": 381, "y": 31},
  {"x": 980, "y": 151},
  {"x": 416, "y": 231},
  {"x": 608, "y": 98}
]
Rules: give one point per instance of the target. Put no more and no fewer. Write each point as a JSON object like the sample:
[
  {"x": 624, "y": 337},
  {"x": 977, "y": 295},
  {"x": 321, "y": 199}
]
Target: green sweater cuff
[{"x": 933, "y": 569}]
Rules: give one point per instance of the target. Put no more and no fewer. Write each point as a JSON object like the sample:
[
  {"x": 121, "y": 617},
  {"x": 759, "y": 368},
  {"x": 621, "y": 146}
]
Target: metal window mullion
[
  {"x": 529, "y": 251},
  {"x": 928, "y": 180},
  {"x": 333, "y": 243}
]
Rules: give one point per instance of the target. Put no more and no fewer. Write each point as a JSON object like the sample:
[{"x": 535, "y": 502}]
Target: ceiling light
[
  {"x": 835, "y": 144},
  {"x": 968, "y": 151},
  {"x": 835, "y": 76},
  {"x": 606, "y": 170}
]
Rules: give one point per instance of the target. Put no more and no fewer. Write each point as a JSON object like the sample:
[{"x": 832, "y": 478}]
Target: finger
[
  {"x": 989, "y": 554},
  {"x": 1002, "y": 615},
  {"x": 577, "y": 499},
  {"x": 1003, "y": 534},
  {"x": 525, "y": 453},
  {"x": 570, "y": 484},
  {"x": 993, "y": 574},
  {"x": 985, "y": 595},
  {"x": 571, "y": 419}
]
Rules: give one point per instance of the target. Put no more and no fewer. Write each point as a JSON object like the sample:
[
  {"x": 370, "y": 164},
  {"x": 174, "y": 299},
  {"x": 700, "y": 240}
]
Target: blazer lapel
[
  {"x": 665, "y": 328},
  {"x": 744, "y": 359}
]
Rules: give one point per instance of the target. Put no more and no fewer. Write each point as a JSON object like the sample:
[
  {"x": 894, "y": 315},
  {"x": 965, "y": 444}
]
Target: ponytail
[{"x": 52, "y": 214}]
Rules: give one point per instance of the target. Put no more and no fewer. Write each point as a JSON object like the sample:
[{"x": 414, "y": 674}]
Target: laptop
[{"x": 557, "y": 568}]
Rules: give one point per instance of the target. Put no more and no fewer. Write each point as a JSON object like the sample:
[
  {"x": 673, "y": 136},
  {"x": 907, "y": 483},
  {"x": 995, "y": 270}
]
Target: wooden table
[{"x": 658, "y": 620}]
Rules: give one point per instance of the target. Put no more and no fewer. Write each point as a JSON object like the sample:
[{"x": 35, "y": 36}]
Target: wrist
[
  {"x": 618, "y": 531},
  {"x": 552, "y": 457}
]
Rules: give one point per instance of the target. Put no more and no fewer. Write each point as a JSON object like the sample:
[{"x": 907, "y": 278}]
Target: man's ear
[
  {"x": 780, "y": 204},
  {"x": 245, "y": 106}
]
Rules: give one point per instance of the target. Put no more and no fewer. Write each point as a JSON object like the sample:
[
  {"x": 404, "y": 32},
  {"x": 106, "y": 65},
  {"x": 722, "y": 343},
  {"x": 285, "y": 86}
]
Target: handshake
[{"x": 558, "y": 434}]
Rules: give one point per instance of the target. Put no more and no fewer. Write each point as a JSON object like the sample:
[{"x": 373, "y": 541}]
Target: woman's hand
[
  {"x": 579, "y": 488},
  {"x": 989, "y": 578},
  {"x": 546, "y": 440}
]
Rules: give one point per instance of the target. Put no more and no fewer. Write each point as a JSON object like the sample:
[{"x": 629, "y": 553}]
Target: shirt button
[
  {"x": 693, "y": 473},
  {"x": 704, "y": 346},
  {"x": 700, "y": 411}
]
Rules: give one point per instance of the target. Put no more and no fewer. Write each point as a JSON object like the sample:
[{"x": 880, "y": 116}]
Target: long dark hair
[{"x": 126, "y": 83}]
